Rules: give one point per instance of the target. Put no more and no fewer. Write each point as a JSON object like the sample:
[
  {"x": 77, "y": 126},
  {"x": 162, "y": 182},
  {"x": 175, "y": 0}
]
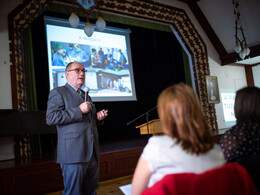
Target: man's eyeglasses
[{"x": 77, "y": 70}]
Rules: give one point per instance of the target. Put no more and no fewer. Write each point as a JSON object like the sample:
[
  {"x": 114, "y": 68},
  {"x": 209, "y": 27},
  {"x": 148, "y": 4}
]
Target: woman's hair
[
  {"x": 182, "y": 118},
  {"x": 247, "y": 104}
]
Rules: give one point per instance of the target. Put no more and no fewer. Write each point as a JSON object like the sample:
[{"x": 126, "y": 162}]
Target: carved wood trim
[
  {"x": 141, "y": 9},
  {"x": 18, "y": 21}
]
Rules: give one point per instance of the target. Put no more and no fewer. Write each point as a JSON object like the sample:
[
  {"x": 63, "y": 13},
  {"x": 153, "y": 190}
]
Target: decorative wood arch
[{"x": 25, "y": 13}]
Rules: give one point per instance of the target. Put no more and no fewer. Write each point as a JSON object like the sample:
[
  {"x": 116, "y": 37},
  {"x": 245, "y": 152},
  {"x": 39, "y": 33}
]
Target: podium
[{"x": 153, "y": 125}]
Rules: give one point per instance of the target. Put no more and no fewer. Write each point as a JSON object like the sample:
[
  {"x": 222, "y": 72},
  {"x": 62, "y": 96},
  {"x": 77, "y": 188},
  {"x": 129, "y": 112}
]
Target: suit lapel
[{"x": 73, "y": 93}]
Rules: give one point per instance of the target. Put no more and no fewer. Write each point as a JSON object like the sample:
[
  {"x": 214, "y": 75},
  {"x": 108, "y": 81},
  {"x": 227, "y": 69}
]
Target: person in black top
[
  {"x": 243, "y": 139},
  {"x": 241, "y": 143}
]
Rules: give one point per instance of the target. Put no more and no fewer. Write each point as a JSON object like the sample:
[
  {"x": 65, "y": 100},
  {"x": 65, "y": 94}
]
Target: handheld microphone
[{"x": 86, "y": 89}]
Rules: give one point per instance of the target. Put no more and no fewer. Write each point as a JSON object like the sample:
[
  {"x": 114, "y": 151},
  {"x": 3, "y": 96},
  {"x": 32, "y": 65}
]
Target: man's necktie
[{"x": 81, "y": 94}]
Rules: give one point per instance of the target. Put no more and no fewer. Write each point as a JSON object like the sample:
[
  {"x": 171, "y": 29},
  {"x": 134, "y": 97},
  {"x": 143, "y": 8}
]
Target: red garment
[{"x": 230, "y": 178}]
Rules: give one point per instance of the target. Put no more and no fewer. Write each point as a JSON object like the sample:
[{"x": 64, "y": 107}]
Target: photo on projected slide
[
  {"x": 89, "y": 56},
  {"x": 105, "y": 56}
]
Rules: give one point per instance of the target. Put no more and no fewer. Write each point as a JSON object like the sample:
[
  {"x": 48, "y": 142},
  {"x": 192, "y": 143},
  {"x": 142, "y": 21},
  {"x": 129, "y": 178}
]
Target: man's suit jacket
[{"x": 77, "y": 133}]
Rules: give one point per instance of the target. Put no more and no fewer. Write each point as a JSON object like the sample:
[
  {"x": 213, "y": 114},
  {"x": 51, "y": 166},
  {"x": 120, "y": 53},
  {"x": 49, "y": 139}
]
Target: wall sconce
[
  {"x": 86, "y": 7},
  {"x": 241, "y": 45}
]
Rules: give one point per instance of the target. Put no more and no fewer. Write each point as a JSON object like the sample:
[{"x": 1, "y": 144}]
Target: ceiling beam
[
  {"x": 206, "y": 26},
  {"x": 225, "y": 58},
  {"x": 234, "y": 57}
]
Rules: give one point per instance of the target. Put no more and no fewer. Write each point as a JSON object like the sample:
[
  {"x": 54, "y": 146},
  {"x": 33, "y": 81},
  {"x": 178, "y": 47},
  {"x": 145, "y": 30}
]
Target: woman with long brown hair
[{"x": 186, "y": 145}]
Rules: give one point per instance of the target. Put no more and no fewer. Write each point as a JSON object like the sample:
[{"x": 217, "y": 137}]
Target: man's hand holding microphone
[{"x": 85, "y": 107}]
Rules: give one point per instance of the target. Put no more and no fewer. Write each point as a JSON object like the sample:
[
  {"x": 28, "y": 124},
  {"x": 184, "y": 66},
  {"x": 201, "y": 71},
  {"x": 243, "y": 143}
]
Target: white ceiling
[{"x": 220, "y": 15}]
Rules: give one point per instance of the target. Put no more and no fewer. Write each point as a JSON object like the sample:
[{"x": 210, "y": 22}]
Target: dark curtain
[
  {"x": 35, "y": 141},
  {"x": 41, "y": 142}
]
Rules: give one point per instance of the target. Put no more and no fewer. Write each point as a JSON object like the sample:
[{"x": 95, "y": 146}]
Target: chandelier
[
  {"x": 241, "y": 45},
  {"x": 86, "y": 6}
]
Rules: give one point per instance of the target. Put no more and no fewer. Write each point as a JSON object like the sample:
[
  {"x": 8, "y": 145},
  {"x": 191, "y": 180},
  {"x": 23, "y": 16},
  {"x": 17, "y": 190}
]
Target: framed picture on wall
[{"x": 212, "y": 89}]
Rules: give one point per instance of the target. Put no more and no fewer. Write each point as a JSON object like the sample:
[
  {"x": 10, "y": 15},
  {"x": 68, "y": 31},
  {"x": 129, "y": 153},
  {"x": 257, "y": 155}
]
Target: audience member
[
  {"x": 187, "y": 145},
  {"x": 241, "y": 143},
  {"x": 243, "y": 139}
]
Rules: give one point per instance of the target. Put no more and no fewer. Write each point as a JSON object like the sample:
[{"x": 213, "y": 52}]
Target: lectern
[{"x": 154, "y": 127}]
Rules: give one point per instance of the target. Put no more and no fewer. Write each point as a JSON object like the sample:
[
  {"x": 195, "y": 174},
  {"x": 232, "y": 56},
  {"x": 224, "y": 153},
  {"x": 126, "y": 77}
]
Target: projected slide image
[{"x": 105, "y": 55}]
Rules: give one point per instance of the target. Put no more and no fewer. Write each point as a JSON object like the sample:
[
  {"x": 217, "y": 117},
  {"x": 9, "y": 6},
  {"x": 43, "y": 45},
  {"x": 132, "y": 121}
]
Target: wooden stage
[{"x": 42, "y": 175}]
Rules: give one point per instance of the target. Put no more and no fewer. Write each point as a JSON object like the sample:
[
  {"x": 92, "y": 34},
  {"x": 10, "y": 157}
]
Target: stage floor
[{"x": 116, "y": 145}]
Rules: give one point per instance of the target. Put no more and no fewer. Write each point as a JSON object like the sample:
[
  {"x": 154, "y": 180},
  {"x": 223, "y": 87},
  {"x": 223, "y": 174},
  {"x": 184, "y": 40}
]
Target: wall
[
  {"x": 227, "y": 75},
  {"x": 256, "y": 74},
  {"x": 5, "y": 78},
  {"x": 7, "y": 143}
]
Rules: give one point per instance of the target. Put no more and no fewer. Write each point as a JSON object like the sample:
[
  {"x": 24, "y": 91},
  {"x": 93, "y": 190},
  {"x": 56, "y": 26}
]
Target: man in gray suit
[{"x": 76, "y": 121}]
